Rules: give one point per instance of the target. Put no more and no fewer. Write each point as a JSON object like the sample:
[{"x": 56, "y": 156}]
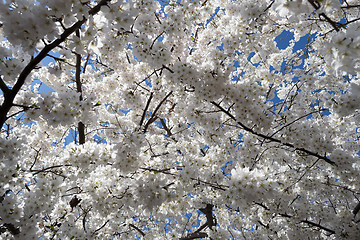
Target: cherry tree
[{"x": 179, "y": 119}]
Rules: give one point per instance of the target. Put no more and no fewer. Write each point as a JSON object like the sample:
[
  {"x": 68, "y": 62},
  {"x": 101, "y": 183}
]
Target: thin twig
[
  {"x": 153, "y": 115},
  {"x": 37, "y": 171},
  {"x": 81, "y": 126},
  {"x": 166, "y": 171},
  {"x": 152, "y": 44},
  {"x": 100, "y": 227},
  {"x": 320, "y": 110},
  {"x": 137, "y": 229},
  {"x": 146, "y": 108},
  {"x": 157, "y": 17},
  {"x": 319, "y": 226},
  {"x": 86, "y": 63},
  {"x": 36, "y": 158},
  {"x": 165, "y": 127}
]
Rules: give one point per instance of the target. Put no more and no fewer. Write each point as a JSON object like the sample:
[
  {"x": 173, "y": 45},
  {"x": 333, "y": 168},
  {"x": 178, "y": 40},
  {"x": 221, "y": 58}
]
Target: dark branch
[
  {"x": 137, "y": 229},
  {"x": 36, "y": 158},
  {"x": 356, "y": 209},
  {"x": 316, "y": 5},
  {"x": 269, "y": 6},
  {"x": 81, "y": 129},
  {"x": 210, "y": 222},
  {"x": 165, "y": 127},
  {"x": 195, "y": 236},
  {"x": 352, "y": 6},
  {"x": 162, "y": 101},
  {"x": 84, "y": 221},
  {"x": 262, "y": 205},
  {"x": 272, "y": 139},
  {"x": 86, "y": 63},
  {"x": 3, "y": 86},
  {"x": 166, "y": 171},
  {"x": 11, "y": 228},
  {"x": 37, "y": 171},
  {"x": 81, "y": 126},
  {"x": 208, "y": 211},
  {"x": 332, "y": 23},
  {"x": 297, "y": 119},
  {"x": 313, "y": 224},
  {"x": 153, "y": 115},
  {"x": 100, "y": 227},
  {"x": 25, "y": 108},
  {"x": 347, "y": 23},
  {"x": 78, "y": 70},
  {"x": 213, "y": 185},
  {"x": 152, "y": 44},
  {"x": 204, "y": 3},
  {"x": 146, "y": 108},
  {"x": 167, "y": 68},
  {"x": 56, "y": 58},
  {"x": 10, "y": 95},
  {"x": 319, "y": 226},
  {"x": 74, "y": 202},
  {"x": 157, "y": 18}
]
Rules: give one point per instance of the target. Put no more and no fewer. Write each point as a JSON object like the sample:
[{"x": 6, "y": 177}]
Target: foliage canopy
[{"x": 218, "y": 119}]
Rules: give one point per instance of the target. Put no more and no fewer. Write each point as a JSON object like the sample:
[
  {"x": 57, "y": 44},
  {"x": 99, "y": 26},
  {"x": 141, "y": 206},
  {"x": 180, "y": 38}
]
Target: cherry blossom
[{"x": 179, "y": 119}]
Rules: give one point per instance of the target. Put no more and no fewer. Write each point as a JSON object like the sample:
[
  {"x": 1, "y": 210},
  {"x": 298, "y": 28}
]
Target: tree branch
[
  {"x": 25, "y": 108},
  {"x": 356, "y": 209},
  {"x": 195, "y": 235},
  {"x": 84, "y": 218},
  {"x": 3, "y": 86},
  {"x": 153, "y": 115},
  {"x": 297, "y": 119},
  {"x": 86, "y": 63},
  {"x": 100, "y": 227},
  {"x": 316, "y": 5},
  {"x": 152, "y": 44},
  {"x": 11, "y": 228},
  {"x": 81, "y": 126},
  {"x": 10, "y": 96},
  {"x": 332, "y": 23},
  {"x": 37, "y": 171},
  {"x": 272, "y": 139},
  {"x": 165, "y": 127},
  {"x": 208, "y": 211},
  {"x": 146, "y": 108},
  {"x": 313, "y": 224},
  {"x": 137, "y": 229},
  {"x": 352, "y": 6},
  {"x": 210, "y": 222},
  {"x": 319, "y": 226},
  {"x": 166, "y": 171}
]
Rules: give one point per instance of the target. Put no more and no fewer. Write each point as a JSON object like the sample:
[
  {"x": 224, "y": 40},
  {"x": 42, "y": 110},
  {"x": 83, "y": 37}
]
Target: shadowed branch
[
  {"x": 9, "y": 95},
  {"x": 272, "y": 139}
]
